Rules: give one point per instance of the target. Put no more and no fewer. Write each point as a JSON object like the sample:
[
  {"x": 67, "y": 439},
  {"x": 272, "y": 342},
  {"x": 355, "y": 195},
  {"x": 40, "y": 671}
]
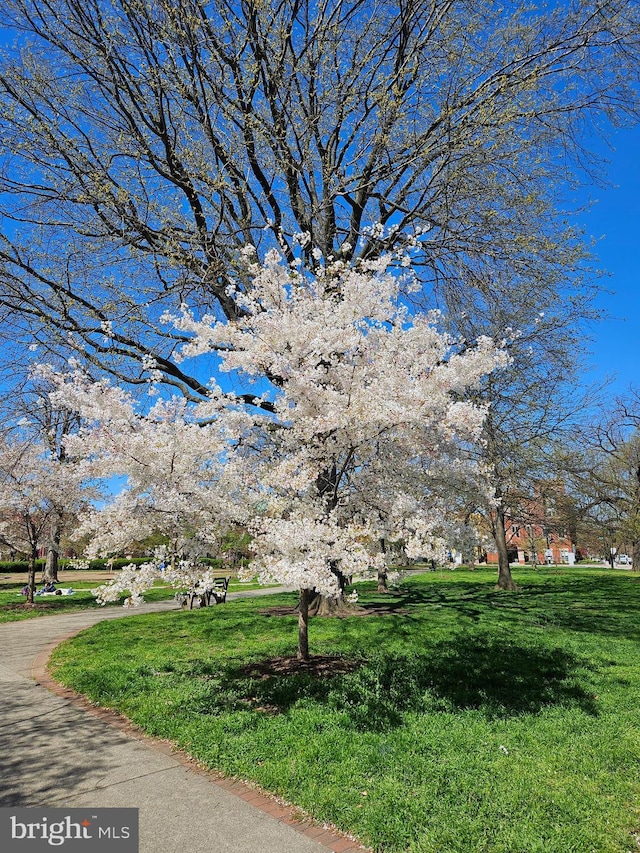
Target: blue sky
[
  {"x": 615, "y": 348},
  {"x": 614, "y": 221}
]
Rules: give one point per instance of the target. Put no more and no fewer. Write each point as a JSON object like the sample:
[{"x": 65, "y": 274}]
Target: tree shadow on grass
[
  {"x": 603, "y": 605},
  {"x": 606, "y": 606},
  {"x": 470, "y": 600},
  {"x": 469, "y": 672}
]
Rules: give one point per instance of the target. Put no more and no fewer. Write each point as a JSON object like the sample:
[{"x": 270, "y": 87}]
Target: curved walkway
[{"x": 56, "y": 750}]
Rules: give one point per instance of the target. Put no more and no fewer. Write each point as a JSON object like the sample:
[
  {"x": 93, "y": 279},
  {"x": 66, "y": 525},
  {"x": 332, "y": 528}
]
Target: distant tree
[
  {"x": 533, "y": 404},
  {"x": 607, "y": 475},
  {"x": 33, "y": 486},
  {"x": 29, "y": 416}
]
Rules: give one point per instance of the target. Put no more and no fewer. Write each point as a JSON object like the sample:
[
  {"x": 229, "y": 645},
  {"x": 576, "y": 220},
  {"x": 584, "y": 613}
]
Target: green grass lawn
[
  {"x": 13, "y": 607},
  {"x": 467, "y": 720}
]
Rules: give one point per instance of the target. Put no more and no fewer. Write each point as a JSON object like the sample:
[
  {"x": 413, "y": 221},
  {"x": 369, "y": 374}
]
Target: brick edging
[{"x": 281, "y": 811}]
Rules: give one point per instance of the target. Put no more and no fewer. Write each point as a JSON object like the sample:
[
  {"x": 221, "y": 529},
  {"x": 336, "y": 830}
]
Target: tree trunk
[
  {"x": 303, "y": 625},
  {"x": 635, "y": 555},
  {"x": 323, "y": 605},
  {"x": 382, "y": 573},
  {"x": 505, "y": 581},
  {"x": 320, "y": 605},
  {"x": 31, "y": 578},
  {"x": 51, "y": 566}
]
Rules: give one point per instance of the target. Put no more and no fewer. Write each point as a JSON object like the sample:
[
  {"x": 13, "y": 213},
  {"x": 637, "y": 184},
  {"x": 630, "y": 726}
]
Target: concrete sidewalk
[{"x": 54, "y": 752}]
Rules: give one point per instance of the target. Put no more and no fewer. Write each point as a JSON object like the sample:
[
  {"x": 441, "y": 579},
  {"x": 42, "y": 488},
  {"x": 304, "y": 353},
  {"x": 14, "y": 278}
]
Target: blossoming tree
[
  {"x": 181, "y": 480},
  {"x": 353, "y": 438},
  {"x": 34, "y": 485}
]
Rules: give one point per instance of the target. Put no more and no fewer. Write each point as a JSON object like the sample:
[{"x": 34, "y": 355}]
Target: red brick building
[{"x": 539, "y": 531}]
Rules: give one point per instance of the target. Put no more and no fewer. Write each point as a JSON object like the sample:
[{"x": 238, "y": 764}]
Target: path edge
[{"x": 325, "y": 834}]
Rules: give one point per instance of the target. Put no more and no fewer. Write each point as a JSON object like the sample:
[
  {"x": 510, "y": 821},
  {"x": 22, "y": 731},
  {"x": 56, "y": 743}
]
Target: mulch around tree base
[{"x": 320, "y": 665}]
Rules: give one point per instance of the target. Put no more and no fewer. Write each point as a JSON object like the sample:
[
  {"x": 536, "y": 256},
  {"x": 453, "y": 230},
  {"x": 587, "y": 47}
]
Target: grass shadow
[
  {"x": 599, "y": 605},
  {"x": 468, "y": 672}
]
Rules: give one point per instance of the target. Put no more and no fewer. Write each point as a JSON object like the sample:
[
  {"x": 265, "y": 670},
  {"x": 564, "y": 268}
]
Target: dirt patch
[
  {"x": 278, "y": 611},
  {"x": 317, "y": 665}
]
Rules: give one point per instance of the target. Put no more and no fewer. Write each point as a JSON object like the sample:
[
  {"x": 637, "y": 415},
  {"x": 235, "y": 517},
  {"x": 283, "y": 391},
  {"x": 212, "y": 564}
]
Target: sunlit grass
[{"x": 471, "y": 720}]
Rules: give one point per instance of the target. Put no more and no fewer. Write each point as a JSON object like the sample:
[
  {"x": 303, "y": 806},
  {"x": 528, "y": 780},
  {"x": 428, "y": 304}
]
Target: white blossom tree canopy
[
  {"x": 36, "y": 488},
  {"x": 356, "y": 438}
]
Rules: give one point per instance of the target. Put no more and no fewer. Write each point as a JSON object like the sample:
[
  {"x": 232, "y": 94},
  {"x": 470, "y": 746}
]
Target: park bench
[{"x": 193, "y": 598}]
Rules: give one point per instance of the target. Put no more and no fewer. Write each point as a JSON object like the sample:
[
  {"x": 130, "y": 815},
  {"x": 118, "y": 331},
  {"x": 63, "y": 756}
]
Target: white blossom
[{"x": 365, "y": 421}]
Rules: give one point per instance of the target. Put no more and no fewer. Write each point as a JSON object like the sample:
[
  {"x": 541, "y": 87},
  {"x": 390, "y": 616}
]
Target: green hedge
[
  {"x": 23, "y": 565},
  {"x": 18, "y": 565},
  {"x": 94, "y": 565}
]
